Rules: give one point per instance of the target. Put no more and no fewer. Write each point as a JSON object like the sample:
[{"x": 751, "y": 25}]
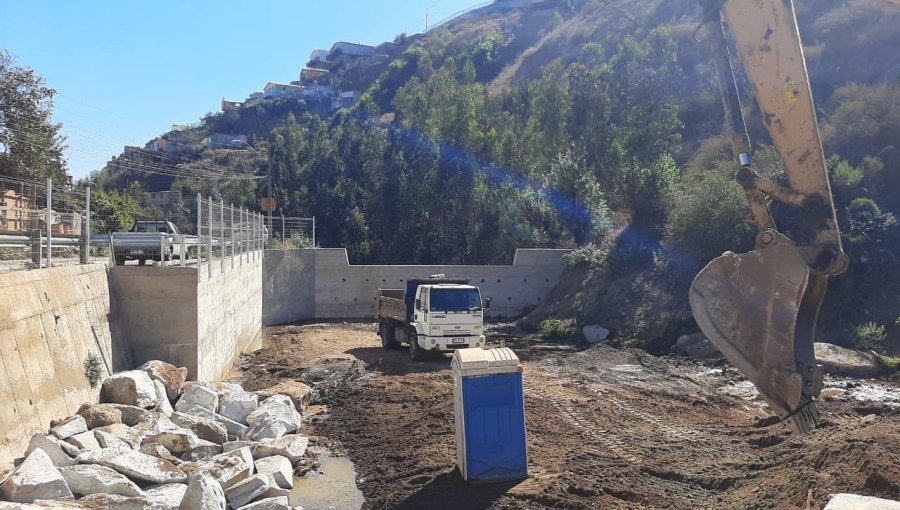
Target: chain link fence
[{"x": 227, "y": 236}]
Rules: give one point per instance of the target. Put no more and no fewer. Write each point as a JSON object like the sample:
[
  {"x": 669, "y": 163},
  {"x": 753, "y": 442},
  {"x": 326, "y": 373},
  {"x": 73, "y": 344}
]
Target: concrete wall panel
[
  {"x": 321, "y": 283},
  {"x": 50, "y": 321}
]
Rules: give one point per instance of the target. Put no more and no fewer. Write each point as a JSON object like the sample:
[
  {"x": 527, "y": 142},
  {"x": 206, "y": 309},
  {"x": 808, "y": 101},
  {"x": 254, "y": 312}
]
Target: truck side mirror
[
  {"x": 487, "y": 303},
  {"x": 418, "y": 304}
]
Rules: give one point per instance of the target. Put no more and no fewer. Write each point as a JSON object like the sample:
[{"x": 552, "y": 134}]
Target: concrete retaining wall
[
  {"x": 50, "y": 321},
  {"x": 229, "y": 316},
  {"x": 321, "y": 283},
  {"x": 190, "y": 316}
]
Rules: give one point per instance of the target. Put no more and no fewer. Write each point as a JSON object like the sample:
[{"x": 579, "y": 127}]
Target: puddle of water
[{"x": 331, "y": 487}]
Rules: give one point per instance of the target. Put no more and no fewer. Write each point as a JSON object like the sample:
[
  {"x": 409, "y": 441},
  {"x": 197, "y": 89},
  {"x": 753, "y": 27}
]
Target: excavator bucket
[{"x": 759, "y": 310}]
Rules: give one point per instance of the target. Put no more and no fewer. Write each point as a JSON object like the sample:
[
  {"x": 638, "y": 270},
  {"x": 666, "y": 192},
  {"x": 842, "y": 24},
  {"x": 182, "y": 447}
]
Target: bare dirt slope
[{"x": 607, "y": 429}]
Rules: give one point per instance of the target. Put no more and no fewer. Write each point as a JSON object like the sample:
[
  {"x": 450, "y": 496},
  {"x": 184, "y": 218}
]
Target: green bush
[
  {"x": 93, "y": 369},
  {"x": 870, "y": 337},
  {"x": 555, "y": 329}
]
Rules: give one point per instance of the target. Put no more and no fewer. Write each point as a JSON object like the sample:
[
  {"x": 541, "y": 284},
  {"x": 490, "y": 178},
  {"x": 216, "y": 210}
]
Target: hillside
[{"x": 583, "y": 124}]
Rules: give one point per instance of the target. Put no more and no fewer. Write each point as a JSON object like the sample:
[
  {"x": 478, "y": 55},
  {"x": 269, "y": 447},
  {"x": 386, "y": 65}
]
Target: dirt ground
[{"x": 606, "y": 428}]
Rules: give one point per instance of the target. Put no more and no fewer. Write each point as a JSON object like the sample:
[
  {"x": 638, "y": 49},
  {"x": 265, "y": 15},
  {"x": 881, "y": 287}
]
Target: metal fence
[
  {"x": 291, "y": 232},
  {"x": 46, "y": 225}
]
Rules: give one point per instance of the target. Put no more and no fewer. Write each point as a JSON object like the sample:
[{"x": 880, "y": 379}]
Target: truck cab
[{"x": 432, "y": 315}]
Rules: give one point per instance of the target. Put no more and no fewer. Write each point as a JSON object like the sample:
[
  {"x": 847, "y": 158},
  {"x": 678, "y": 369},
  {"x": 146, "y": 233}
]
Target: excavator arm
[{"x": 760, "y": 308}]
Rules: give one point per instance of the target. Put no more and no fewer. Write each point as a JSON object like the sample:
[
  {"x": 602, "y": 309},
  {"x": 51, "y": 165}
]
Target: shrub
[
  {"x": 93, "y": 369},
  {"x": 870, "y": 337},
  {"x": 555, "y": 329}
]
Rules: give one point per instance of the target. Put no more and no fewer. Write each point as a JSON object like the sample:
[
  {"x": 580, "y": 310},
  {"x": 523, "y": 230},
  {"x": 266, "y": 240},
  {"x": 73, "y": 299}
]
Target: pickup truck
[
  {"x": 432, "y": 315},
  {"x": 146, "y": 240}
]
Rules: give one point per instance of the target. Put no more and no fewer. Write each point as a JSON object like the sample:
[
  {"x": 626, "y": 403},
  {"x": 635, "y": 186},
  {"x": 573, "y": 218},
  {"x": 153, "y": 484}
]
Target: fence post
[
  {"x": 199, "y": 231},
  {"x": 183, "y": 255},
  {"x": 209, "y": 246},
  {"x": 49, "y": 223},
  {"x": 222, "y": 234},
  {"x": 162, "y": 249},
  {"x": 314, "y": 232},
  {"x": 283, "y": 234},
  {"x": 241, "y": 238},
  {"x": 87, "y": 226},
  {"x": 231, "y": 212}
]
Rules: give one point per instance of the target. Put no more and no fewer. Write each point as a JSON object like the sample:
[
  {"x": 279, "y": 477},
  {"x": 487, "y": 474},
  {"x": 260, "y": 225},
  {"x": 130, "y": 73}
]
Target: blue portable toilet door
[{"x": 495, "y": 427}]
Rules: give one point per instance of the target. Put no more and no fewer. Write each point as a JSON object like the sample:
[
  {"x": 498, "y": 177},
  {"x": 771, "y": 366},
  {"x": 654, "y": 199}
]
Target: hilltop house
[
  {"x": 274, "y": 90},
  {"x": 345, "y": 55},
  {"x": 228, "y": 106}
]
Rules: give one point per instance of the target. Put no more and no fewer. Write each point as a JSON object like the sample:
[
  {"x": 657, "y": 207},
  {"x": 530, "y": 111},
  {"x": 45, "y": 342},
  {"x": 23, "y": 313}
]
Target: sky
[{"x": 125, "y": 71}]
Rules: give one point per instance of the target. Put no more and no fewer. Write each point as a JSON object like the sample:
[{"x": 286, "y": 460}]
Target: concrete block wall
[
  {"x": 229, "y": 315},
  {"x": 321, "y": 283},
  {"x": 50, "y": 321}
]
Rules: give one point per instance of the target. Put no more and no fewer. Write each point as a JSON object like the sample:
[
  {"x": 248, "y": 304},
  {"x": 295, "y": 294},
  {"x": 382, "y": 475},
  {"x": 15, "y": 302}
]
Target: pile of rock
[{"x": 158, "y": 442}]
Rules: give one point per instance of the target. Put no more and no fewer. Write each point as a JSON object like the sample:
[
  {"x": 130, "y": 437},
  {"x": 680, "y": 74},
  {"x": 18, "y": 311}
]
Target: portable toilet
[{"x": 489, "y": 405}]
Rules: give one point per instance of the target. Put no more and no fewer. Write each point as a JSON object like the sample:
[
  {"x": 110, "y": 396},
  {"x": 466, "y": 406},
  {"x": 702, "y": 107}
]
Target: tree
[{"x": 32, "y": 147}]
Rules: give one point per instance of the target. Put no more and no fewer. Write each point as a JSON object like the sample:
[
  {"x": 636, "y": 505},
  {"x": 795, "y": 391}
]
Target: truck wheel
[
  {"x": 388, "y": 338},
  {"x": 416, "y": 353},
  {"x": 120, "y": 260}
]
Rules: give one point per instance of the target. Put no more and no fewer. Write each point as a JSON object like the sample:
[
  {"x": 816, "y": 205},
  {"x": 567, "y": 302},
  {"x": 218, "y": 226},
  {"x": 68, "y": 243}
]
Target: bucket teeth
[{"x": 759, "y": 310}]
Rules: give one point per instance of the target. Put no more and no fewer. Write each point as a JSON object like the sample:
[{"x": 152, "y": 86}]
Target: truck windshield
[{"x": 455, "y": 300}]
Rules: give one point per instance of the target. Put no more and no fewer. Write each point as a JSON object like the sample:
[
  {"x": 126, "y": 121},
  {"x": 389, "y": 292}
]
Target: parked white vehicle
[{"x": 148, "y": 240}]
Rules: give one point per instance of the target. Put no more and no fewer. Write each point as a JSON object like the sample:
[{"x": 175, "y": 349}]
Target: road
[{"x": 607, "y": 428}]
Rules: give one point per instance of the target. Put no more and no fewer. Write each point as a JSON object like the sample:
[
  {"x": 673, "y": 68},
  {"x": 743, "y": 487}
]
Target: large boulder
[
  {"x": 203, "y": 493},
  {"x": 246, "y": 491},
  {"x": 53, "y": 448},
  {"x": 267, "y": 430},
  {"x": 84, "y": 441},
  {"x": 159, "y": 451},
  {"x": 170, "y": 376},
  {"x": 292, "y": 446},
  {"x": 234, "y": 429},
  {"x": 226, "y": 468},
  {"x": 163, "y": 405},
  {"x": 277, "y": 408},
  {"x": 237, "y": 405},
  {"x": 848, "y": 362},
  {"x": 131, "y": 387},
  {"x": 695, "y": 346},
  {"x": 69, "y": 427},
  {"x": 299, "y": 393},
  {"x": 99, "y": 415},
  {"x": 275, "y": 503},
  {"x": 131, "y": 415},
  {"x": 595, "y": 334},
  {"x": 88, "y": 479},
  {"x": 134, "y": 464},
  {"x": 198, "y": 394},
  {"x": 35, "y": 478},
  {"x": 279, "y": 468},
  {"x": 205, "y": 428},
  {"x": 167, "y": 496},
  {"x": 116, "y": 502},
  {"x": 120, "y": 431}
]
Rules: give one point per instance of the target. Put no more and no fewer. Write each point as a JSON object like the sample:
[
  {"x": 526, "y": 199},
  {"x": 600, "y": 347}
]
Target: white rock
[
  {"x": 156, "y": 422},
  {"x": 246, "y": 491},
  {"x": 204, "y": 451},
  {"x": 198, "y": 395},
  {"x": 594, "y": 333},
  {"x": 108, "y": 440},
  {"x": 131, "y": 387},
  {"x": 131, "y": 415},
  {"x": 274, "y": 491},
  {"x": 857, "y": 502},
  {"x": 279, "y": 468},
  {"x": 267, "y": 430},
  {"x": 234, "y": 429},
  {"x": 69, "y": 427},
  {"x": 277, "y": 503},
  {"x": 123, "y": 432},
  {"x": 134, "y": 464},
  {"x": 35, "y": 478},
  {"x": 228, "y": 468},
  {"x": 277, "y": 408},
  {"x": 168, "y": 496},
  {"x": 53, "y": 449},
  {"x": 300, "y": 393},
  {"x": 224, "y": 388},
  {"x": 236, "y": 405},
  {"x": 205, "y": 428},
  {"x": 163, "y": 405},
  {"x": 847, "y": 362},
  {"x": 172, "y": 377},
  {"x": 176, "y": 441},
  {"x": 88, "y": 479},
  {"x": 159, "y": 451},
  {"x": 84, "y": 441},
  {"x": 203, "y": 493},
  {"x": 292, "y": 446}
]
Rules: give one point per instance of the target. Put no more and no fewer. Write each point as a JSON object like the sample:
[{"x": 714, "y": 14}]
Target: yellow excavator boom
[{"x": 760, "y": 308}]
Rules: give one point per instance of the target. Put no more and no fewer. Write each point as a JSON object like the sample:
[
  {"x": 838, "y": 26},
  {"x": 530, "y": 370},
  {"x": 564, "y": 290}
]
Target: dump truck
[{"x": 432, "y": 315}]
